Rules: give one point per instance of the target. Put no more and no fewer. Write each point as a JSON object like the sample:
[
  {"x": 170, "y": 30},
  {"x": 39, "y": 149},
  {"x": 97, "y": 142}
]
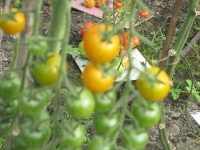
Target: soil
[{"x": 183, "y": 131}]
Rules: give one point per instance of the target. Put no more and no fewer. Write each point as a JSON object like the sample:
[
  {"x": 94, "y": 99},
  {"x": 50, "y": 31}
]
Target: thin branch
[{"x": 190, "y": 44}]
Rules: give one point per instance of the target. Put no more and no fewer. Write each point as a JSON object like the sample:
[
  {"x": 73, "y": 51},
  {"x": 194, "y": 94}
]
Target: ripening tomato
[
  {"x": 46, "y": 73},
  {"x": 125, "y": 37},
  {"x": 15, "y": 25},
  {"x": 101, "y": 2},
  {"x": 89, "y": 3},
  {"x": 86, "y": 27},
  {"x": 125, "y": 60},
  {"x": 95, "y": 80},
  {"x": 118, "y": 4},
  {"x": 153, "y": 91},
  {"x": 143, "y": 14},
  {"x": 97, "y": 49}
]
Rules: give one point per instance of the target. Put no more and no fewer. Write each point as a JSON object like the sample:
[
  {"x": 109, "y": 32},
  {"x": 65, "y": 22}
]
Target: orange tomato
[
  {"x": 89, "y": 3},
  {"x": 135, "y": 40},
  {"x": 95, "y": 80},
  {"x": 12, "y": 26},
  {"x": 101, "y": 2},
  {"x": 98, "y": 50},
  {"x": 125, "y": 60},
  {"x": 86, "y": 27}
]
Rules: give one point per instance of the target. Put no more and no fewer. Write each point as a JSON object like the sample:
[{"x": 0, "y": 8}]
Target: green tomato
[
  {"x": 81, "y": 47},
  {"x": 81, "y": 106},
  {"x": 8, "y": 109},
  {"x": 10, "y": 85},
  {"x": 98, "y": 143},
  {"x": 73, "y": 137},
  {"x": 133, "y": 139},
  {"x": 31, "y": 102},
  {"x": 106, "y": 125},
  {"x": 36, "y": 132},
  {"x": 46, "y": 73},
  {"x": 37, "y": 45},
  {"x": 146, "y": 117},
  {"x": 104, "y": 101},
  {"x": 17, "y": 4}
]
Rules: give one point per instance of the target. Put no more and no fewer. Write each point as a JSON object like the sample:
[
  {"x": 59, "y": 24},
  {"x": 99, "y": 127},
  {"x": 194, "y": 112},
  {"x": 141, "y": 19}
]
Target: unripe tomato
[
  {"x": 89, "y": 3},
  {"x": 11, "y": 26},
  {"x": 143, "y": 14},
  {"x": 153, "y": 91},
  {"x": 125, "y": 37},
  {"x": 94, "y": 79},
  {"x": 98, "y": 50},
  {"x": 46, "y": 73},
  {"x": 86, "y": 27}
]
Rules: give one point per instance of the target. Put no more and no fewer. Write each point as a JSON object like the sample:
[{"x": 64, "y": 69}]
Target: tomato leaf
[{"x": 72, "y": 51}]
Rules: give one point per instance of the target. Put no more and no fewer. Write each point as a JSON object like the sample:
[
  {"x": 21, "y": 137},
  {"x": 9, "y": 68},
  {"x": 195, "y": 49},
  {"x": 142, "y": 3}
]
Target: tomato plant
[
  {"x": 134, "y": 42},
  {"x": 153, "y": 90},
  {"x": 133, "y": 139},
  {"x": 94, "y": 79},
  {"x": 36, "y": 45},
  {"x": 74, "y": 136},
  {"x": 106, "y": 125},
  {"x": 98, "y": 143},
  {"x": 89, "y": 3},
  {"x": 104, "y": 101},
  {"x": 15, "y": 25},
  {"x": 118, "y": 4},
  {"x": 46, "y": 73},
  {"x": 100, "y": 2},
  {"x": 118, "y": 65},
  {"x": 81, "y": 106},
  {"x": 10, "y": 85},
  {"x": 32, "y": 102},
  {"x": 98, "y": 50},
  {"x": 86, "y": 27},
  {"x": 143, "y": 14},
  {"x": 146, "y": 117},
  {"x": 81, "y": 47}
]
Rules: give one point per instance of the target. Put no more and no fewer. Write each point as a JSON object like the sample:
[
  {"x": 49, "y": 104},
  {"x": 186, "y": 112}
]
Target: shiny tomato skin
[
  {"x": 101, "y": 2},
  {"x": 94, "y": 79},
  {"x": 118, "y": 4},
  {"x": 81, "y": 107},
  {"x": 147, "y": 117},
  {"x": 89, "y": 3},
  {"x": 10, "y": 86},
  {"x": 73, "y": 138},
  {"x": 144, "y": 14},
  {"x": 125, "y": 37},
  {"x": 10, "y": 26},
  {"x": 106, "y": 125},
  {"x": 86, "y": 27},
  {"x": 46, "y": 73},
  {"x": 100, "y": 51},
  {"x": 159, "y": 90},
  {"x": 136, "y": 140}
]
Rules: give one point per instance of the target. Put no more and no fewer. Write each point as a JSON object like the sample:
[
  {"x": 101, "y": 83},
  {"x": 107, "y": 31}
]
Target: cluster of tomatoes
[{"x": 98, "y": 3}]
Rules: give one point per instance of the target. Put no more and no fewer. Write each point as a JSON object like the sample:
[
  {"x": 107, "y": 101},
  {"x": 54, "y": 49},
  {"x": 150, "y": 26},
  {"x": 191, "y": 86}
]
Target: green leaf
[
  {"x": 175, "y": 93},
  {"x": 72, "y": 51}
]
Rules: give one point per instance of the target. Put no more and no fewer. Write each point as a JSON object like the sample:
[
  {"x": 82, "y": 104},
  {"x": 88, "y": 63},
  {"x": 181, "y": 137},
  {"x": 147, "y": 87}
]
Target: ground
[{"x": 182, "y": 133}]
